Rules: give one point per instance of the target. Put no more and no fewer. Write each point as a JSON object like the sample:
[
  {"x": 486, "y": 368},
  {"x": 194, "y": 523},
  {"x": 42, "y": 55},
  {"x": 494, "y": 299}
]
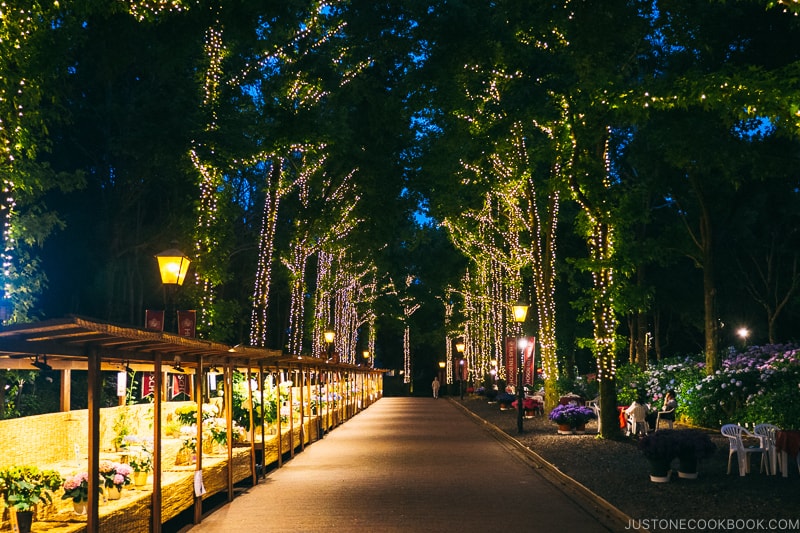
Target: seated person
[
  {"x": 637, "y": 417},
  {"x": 667, "y": 410}
]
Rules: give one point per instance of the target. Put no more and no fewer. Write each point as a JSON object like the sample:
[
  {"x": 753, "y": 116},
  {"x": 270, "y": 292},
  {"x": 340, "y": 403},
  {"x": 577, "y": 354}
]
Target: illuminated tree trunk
[{"x": 266, "y": 250}]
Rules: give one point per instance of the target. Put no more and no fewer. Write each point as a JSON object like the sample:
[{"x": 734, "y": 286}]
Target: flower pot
[
  {"x": 687, "y": 467},
  {"x": 113, "y": 492},
  {"x": 564, "y": 429},
  {"x": 659, "y": 470},
  {"x": 580, "y": 429},
  {"x": 139, "y": 479},
  {"x": 79, "y": 507},
  {"x": 23, "y": 520}
]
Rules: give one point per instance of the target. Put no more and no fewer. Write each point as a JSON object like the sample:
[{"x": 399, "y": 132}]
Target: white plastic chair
[
  {"x": 669, "y": 420},
  {"x": 769, "y": 460},
  {"x": 636, "y": 427},
  {"x": 735, "y": 432}
]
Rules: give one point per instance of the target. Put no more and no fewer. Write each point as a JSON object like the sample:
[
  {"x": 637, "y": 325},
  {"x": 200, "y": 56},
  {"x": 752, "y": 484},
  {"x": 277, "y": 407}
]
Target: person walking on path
[{"x": 435, "y": 386}]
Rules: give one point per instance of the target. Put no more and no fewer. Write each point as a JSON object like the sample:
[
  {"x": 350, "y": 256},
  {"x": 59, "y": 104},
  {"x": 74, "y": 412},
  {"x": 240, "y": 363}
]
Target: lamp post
[
  {"x": 329, "y": 338},
  {"x": 520, "y": 310},
  {"x": 460, "y": 349},
  {"x": 173, "y": 266}
]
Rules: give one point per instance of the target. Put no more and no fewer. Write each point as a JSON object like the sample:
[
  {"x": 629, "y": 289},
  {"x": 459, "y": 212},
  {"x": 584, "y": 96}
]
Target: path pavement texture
[{"x": 411, "y": 465}]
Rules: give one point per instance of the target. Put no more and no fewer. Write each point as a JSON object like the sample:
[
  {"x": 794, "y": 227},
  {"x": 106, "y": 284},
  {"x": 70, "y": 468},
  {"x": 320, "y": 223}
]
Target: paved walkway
[{"x": 405, "y": 465}]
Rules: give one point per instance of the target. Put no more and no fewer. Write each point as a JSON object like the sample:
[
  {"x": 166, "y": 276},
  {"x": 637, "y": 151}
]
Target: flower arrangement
[
  {"x": 571, "y": 415},
  {"x": 187, "y": 414},
  {"x": 141, "y": 461},
  {"x": 116, "y": 474},
  {"x": 529, "y": 404},
  {"x": 505, "y": 398},
  {"x": 694, "y": 443},
  {"x": 660, "y": 445},
  {"x": 23, "y": 487},
  {"x": 77, "y": 488}
]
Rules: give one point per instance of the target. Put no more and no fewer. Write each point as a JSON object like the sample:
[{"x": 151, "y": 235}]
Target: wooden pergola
[{"x": 76, "y": 343}]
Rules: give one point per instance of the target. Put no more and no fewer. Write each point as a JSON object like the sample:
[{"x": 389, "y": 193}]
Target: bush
[{"x": 750, "y": 387}]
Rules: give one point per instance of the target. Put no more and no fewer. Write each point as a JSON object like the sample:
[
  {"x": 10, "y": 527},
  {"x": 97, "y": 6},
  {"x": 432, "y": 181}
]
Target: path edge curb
[{"x": 606, "y": 513}]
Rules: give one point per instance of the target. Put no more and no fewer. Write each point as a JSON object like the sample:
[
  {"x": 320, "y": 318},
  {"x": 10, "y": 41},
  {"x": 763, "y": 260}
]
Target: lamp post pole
[{"x": 520, "y": 310}]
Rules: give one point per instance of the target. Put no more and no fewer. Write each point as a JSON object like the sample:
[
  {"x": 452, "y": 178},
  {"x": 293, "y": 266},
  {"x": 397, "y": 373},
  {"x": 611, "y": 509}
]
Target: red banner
[
  {"x": 187, "y": 323},
  {"x": 154, "y": 320},
  {"x": 512, "y": 359},
  {"x": 529, "y": 360},
  {"x": 179, "y": 385},
  {"x": 148, "y": 384}
]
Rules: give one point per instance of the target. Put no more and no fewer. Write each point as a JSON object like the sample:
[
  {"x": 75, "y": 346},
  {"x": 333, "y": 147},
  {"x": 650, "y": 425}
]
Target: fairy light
[
  {"x": 18, "y": 133},
  {"x": 150, "y": 10}
]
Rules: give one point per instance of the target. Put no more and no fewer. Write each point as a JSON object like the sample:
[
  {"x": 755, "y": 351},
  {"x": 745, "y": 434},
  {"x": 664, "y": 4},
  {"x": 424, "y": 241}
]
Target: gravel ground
[{"x": 618, "y": 472}]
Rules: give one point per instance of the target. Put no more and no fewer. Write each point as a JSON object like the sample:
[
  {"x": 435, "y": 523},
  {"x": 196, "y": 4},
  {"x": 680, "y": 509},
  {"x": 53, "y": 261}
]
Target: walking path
[{"x": 407, "y": 465}]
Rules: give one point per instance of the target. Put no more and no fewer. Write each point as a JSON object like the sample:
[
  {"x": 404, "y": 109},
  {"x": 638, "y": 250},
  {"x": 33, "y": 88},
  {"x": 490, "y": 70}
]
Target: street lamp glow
[
  {"x": 173, "y": 266},
  {"x": 520, "y": 310},
  {"x": 743, "y": 333},
  {"x": 329, "y": 336}
]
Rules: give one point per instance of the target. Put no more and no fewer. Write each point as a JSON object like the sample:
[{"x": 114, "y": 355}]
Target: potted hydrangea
[
  {"x": 24, "y": 487},
  {"x": 76, "y": 488},
  {"x": 687, "y": 445},
  {"x": 505, "y": 400},
  {"x": 115, "y": 476},
  {"x": 693, "y": 445},
  {"x": 142, "y": 465},
  {"x": 659, "y": 448},
  {"x": 571, "y": 418}
]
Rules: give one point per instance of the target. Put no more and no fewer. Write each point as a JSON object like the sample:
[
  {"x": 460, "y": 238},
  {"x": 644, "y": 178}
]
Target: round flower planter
[
  {"x": 79, "y": 507},
  {"x": 113, "y": 492},
  {"x": 564, "y": 429},
  {"x": 659, "y": 470},
  {"x": 24, "y": 521},
  {"x": 580, "y": 430},
  {"x": 139, "y": 479},
  {"x": 687, "y": 467}
]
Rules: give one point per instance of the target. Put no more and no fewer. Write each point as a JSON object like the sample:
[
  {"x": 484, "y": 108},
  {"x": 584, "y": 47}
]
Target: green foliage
[
  {"x": 631, "y": 384},
  {"x": 749, "y": 388},
  {"x": 579, "y": 385},
  {"x": 678, "y": 374},
  {"x": 29, "y": 393},
  {"x": 23, "y": 487}
]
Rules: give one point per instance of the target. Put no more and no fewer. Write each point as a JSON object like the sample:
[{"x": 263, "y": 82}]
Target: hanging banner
[
  {"x": 187, "y": 323},
  {"x": 179, "y": 385},
  {"x": 148, "y": 384},
  {"x": 512, "y": 359},
  {"x": 529, "y": 364},
  {"x": 154, "y": 320}
]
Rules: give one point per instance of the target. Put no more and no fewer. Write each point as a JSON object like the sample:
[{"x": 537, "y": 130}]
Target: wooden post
[
  {"x": 198, "y": 398},
  {"x": 229, "y": 419},
  {"x": 66, "y": 389},
  {"x": 94, "y": 377},
  {"x": 155, "y": 509}
]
